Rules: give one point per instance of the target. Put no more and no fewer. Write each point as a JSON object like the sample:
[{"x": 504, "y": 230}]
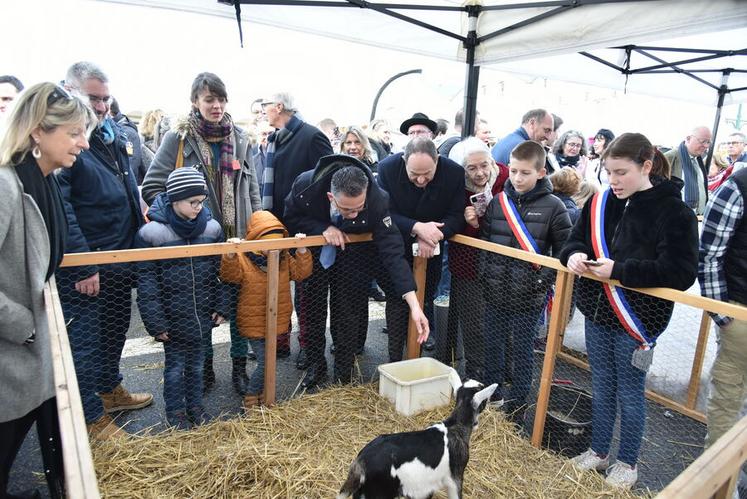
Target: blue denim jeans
[
  {"x": 257, "y": 379},
  {"x": 502, "y": 325},
  {"x": 614, "y": 380},
  {"x": 182, "y": 375},
  {"x": 97, "y": 327}
]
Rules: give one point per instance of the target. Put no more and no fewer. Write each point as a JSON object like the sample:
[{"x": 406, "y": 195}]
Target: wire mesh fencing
[{"x": 184, "y": 335}]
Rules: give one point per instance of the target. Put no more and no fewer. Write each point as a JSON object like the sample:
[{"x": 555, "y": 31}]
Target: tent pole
[
  {"x": 386, "y": 84},
  {"x": 473, "y": 74},
  {"x": 722, "y": 91}
]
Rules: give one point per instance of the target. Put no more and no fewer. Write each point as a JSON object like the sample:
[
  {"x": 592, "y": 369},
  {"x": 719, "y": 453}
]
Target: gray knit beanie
[{"x": 184, "y": 183}]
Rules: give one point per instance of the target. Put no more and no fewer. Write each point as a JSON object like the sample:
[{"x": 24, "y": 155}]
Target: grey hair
[
  {"x": 287, "y": 100},
  {"x": 738, "y": 134},
  {"x": 536, "y": 114},
  {"x": 82, "y": 71},
  {"x": 560, "y": 143},
  {"x": 421, "y": 145},
  {"x": 350, "y": 181},
  {"x": 473, "y": 145}
]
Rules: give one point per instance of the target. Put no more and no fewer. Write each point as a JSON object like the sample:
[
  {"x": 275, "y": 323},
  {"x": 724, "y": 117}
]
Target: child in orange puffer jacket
[{"x": 250, "y": 271}]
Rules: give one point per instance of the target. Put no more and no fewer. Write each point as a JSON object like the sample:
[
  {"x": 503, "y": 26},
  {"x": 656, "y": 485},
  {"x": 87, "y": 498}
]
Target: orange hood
[{"x": 261, "y": 223}]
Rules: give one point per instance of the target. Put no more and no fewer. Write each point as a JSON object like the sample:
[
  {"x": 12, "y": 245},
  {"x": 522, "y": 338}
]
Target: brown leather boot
[
  {"x": 121, "y": 400},
  {"x": 251, "y": 401},
  {"x": 105, "y": 428}
]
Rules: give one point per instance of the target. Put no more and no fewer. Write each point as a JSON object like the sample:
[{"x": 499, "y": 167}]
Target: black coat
[
  {"x": 514, "y": 282},
  {"x": 299, "y": 154},
  {"x": 442, "y": 200},
  {"x": 307, "y": 210},
  {"x": 653, "y": 239}
]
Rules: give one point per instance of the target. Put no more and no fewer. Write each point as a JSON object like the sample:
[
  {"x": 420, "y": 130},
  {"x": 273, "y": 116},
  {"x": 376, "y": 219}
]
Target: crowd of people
[{"x": 80, "y": 176}]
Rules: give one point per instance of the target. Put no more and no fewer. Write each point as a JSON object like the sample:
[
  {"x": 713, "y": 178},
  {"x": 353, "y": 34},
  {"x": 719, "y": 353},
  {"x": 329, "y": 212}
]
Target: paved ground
[{"x": 671, "y": 441}]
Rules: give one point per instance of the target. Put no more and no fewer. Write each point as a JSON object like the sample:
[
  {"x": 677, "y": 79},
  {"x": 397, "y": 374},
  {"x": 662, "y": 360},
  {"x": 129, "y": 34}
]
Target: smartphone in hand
[{"x": 591, "y": 263}]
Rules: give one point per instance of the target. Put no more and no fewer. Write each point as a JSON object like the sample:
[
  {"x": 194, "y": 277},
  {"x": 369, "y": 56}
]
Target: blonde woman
[
  {"x": 356, "y": 144},
  {"x": 46, "y": 130}
]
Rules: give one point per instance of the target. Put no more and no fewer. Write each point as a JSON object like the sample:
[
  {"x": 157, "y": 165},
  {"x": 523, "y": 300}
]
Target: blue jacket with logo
[{"x": 102, "y": 203}]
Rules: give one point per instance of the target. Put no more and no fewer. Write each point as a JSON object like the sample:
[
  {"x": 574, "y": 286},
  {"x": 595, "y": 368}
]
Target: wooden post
[
  {"x": 271, "y": 331},
  {"x": 80, "y": 475},
  {"x": 715, "y": 472},
  {"x": 419, "y": 266},
  {"x": 558, "y": 319},
  {"x": 697, "y": 369}
]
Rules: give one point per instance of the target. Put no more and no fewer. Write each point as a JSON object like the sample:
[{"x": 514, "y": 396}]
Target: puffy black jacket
[
  {"x": 653, "y": 239},
  {"x": 179, "y": 295},
  {"x": 507, "y": 280},
  {"x": 307, "y": 210}
]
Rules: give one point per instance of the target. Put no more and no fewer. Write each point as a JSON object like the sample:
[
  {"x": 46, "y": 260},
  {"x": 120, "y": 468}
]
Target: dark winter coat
[
  {"x": 307, "y": 210},
  {"x": 570, "y": 205},
  {"x": 295, "y": 156},
  {"x": 246, "y": 189},
  {"x": 442, "y": 200},
  {"x": 134, "y": 147},
  {"x": 515, "y": 283},
  {"x": 102, "y": 203},
  {"x": 653, "y": 239},
  {"x": 179, "y": 295}
]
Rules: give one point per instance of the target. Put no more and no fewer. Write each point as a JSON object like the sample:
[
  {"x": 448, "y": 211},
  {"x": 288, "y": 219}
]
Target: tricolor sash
[
  {"x": 520, "y": 231},
  {"x": 615, "y": 295},
  {"x": 526, "y": 241}
]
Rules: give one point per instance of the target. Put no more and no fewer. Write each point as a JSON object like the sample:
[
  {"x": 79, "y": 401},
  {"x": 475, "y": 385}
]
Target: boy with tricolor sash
[
  {"x": 525, "y": 215},
  {"x": 640, "y": 233}
]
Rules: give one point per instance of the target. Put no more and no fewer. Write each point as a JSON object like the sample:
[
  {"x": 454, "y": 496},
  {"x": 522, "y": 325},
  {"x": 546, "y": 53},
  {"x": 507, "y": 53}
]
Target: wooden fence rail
[{"x": 80, "y": 475}]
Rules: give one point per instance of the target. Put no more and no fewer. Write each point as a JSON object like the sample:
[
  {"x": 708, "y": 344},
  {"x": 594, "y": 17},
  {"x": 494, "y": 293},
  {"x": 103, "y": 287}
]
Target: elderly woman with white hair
[{"x": 484, "y": 179}]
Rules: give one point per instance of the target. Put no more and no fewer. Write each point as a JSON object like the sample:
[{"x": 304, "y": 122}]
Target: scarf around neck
[
  {"x": 690, "y": 177},
  {"x": 220, "y": 172},
  {"x": 274, "y": 141},
  {"x": 187, "y": 229},
  {"x": 567, "y": 160}
]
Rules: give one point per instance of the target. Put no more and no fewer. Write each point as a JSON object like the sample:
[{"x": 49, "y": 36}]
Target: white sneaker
[
  {"x": 622, "y": 475},
  {"x": 590, "y": 460}
]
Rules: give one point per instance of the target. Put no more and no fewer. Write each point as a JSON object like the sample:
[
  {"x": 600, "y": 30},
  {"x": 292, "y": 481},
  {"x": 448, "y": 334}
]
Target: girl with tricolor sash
[{"x": 638, "y": 232}]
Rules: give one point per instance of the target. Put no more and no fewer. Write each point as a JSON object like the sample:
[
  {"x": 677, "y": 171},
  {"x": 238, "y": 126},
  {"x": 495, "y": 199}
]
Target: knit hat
[{"x": 184, "y": 183}]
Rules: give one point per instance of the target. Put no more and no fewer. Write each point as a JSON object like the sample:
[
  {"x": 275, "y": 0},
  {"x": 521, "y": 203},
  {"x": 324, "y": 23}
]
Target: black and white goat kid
[{"x": 417, "y": 464}]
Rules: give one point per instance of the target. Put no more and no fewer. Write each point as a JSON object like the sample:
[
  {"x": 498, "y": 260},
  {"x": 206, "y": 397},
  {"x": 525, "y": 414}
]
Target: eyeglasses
[
  {"x": 265, "y": 104},
  {"x": 703, "y": 142},
  {"x": 95, "y": 99},
  {"x": 573, "y": 145},
  {"x": 417, "y": 133},
  {"x": 57, "y": 95},
  {"x": 350, "y": 211},
  {"x": 197, "y": 204},
  {"x": 734, "y": 143}
]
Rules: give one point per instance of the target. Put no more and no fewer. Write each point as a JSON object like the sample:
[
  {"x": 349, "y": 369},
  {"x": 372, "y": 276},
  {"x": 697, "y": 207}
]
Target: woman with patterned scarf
[{"x": 209, "y": 141}]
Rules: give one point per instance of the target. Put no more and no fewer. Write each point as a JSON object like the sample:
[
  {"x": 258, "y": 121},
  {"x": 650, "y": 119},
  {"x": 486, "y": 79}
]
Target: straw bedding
[{"x": 302, "y": 449}]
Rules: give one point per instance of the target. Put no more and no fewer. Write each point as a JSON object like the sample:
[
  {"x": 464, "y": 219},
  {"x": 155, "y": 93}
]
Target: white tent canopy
[
  {"x": 587, "y": 26},
  {"x": 534, "y": 38}
]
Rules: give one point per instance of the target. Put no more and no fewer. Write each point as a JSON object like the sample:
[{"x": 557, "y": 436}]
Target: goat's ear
[
  {"x": 483, "y": 395},
  {"x": 455, "y": 380}
]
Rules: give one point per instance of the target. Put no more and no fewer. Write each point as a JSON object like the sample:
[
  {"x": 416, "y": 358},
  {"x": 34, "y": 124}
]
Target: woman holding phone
[
  {"x": 483, "y": 179},
  {"x": 640, "y": 233}
]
